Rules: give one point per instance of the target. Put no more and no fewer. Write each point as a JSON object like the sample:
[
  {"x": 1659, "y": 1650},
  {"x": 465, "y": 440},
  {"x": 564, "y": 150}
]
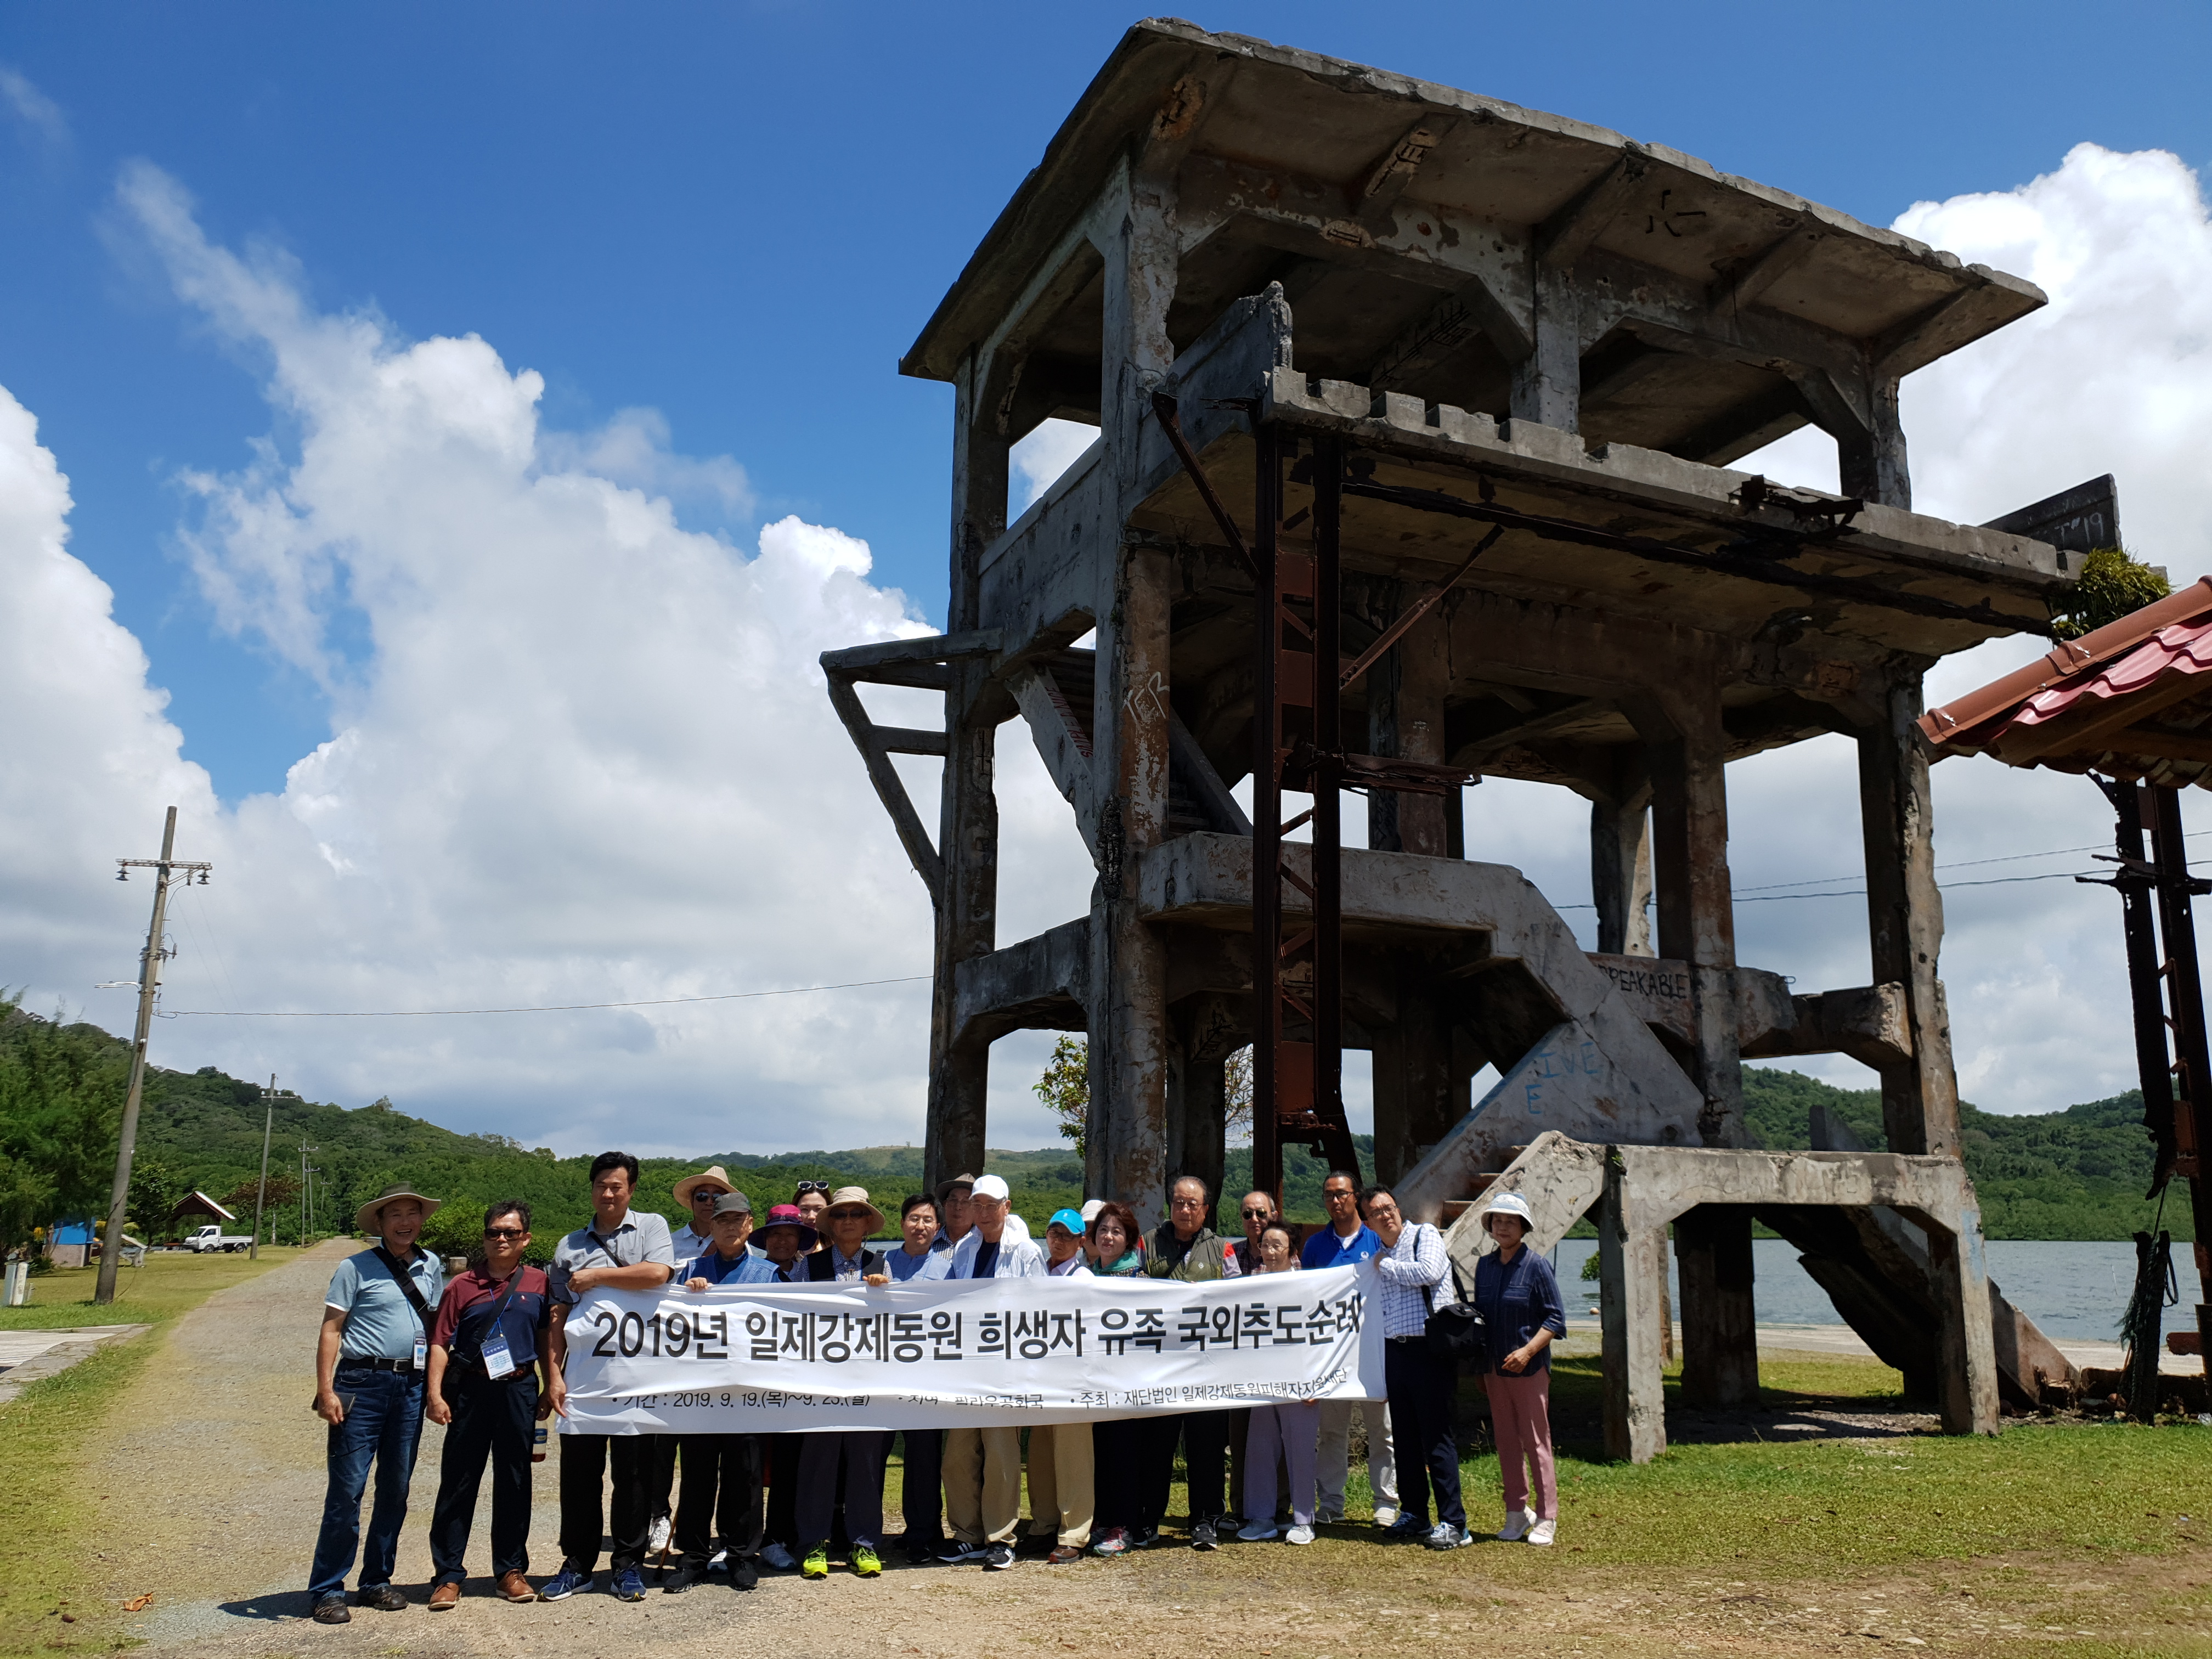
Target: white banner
[{"x": 771, "y": 1359}]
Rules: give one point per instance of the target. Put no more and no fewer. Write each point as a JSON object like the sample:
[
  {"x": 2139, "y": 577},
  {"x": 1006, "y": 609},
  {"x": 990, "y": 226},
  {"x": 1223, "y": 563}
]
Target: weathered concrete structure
[{"x": 1450, "y": 388}]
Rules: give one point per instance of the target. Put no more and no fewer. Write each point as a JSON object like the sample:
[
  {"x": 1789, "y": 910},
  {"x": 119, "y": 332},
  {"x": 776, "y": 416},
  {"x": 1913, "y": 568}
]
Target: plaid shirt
[{"x": 1407, "y": 1270}]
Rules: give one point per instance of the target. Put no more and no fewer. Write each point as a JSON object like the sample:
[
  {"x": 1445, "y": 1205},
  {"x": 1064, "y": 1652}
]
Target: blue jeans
[{"x": 383, "y": 1424}]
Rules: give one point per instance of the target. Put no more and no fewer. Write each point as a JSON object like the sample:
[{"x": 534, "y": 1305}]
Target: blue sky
[
  {"x": 467, "y": 718},
  {"x": 740, "y": 215}
]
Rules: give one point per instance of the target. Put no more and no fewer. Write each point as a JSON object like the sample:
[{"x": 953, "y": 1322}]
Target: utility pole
[
  {"x": 261, "y": 1196},
  {"x": 304, "y": 1176},
  {"x": 166, "y": 869}
]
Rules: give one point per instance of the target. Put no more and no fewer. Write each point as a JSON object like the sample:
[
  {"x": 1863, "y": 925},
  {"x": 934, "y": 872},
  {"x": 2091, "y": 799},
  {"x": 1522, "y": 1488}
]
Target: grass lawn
[{"x": 49, "y": 1433}]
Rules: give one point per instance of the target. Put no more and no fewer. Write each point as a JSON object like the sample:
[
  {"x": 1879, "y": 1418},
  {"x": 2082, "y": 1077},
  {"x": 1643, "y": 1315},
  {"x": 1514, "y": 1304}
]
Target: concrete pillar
[
  {"x": 1686, "y": 749},
  {"x": 1871, "y": 460},
  {"x": 1631, "y": 1281},
  {"x": 1417, "y": 1096},
  {"x": 1197, "y": 1114},
  {"x": 1547, "y": 384},
  {"x": 1720, "y": 1337},
  {"x": 1904, "y": 918},
  {"x": 968, "y": 814},
  {"x": 1620, "y": 873},
  {"x": 1405, "y": 720},
  {"x": 1966, "y": 1363}
]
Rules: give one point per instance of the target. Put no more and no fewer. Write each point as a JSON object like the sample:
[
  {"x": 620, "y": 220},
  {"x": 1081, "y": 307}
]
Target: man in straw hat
[
  {"x": 847, "y": 1260},
  {"x": 370, "y": 1363}
]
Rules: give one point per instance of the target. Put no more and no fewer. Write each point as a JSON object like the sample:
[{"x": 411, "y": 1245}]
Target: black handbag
[{"x": 1455, "y": 1329}]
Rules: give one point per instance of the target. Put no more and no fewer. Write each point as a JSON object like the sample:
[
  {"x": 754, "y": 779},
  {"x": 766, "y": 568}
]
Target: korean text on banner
[{"x": 769, "y": 1358}]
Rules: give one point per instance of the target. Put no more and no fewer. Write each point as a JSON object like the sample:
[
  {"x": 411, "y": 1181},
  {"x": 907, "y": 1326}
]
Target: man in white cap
[
  {"x": 983, "y": 1466},
  {"x": 370, "y": 1363},
  {"x": 698, "y": 1194}
]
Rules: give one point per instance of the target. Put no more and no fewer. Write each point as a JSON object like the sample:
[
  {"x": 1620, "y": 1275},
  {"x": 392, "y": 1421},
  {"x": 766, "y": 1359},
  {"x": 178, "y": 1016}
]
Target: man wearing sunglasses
[{"x": 492, "y": 1338}]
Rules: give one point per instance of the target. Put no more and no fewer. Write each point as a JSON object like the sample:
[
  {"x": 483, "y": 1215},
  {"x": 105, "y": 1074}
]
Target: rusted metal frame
[
  {"x": 2146, "y": 992},
  {"x": 2185, "y": 998},
  {"x": 1165, "y": 411},
  {"x": 1430, "y": 597},
  {"x": 1267, "y": 814},
  {"x": 1749, "y": 569}
]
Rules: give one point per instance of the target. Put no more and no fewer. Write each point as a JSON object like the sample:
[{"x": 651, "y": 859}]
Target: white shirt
[
  {"x": 1406, "y": 1270},
  {"x": 1073, "y": 1267}
]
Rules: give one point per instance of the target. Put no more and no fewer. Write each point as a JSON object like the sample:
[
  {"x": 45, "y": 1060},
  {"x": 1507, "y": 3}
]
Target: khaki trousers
[
  {"x": 983, "y": 1484},
  {"x": 1063, "y": 1488}
]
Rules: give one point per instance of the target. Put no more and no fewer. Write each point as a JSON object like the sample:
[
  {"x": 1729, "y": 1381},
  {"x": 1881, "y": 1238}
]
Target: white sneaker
[
  {"x": 1258, "y": 1532},
  {"x": 719, "y": 1561},
  {"x": 1385, "y": 1513},
  {"x": 1299, "y": 1536},
  {"x": 1516, "y": 1527},
  {"x": 1543, "y": 1531},
  {"x": 1443, "y": 1536},
  {"x": 779, "y": 1557},
  {"x": 656, "y": 1537}
]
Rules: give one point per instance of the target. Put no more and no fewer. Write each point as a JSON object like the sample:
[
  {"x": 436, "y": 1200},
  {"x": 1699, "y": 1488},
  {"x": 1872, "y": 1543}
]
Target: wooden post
[
  {"x": 967, "y": 818},
  {"x": 1905, "y": 917},
  {"x": 1966, "y": 1362},
  {"x": 1720, "y": 1339}
]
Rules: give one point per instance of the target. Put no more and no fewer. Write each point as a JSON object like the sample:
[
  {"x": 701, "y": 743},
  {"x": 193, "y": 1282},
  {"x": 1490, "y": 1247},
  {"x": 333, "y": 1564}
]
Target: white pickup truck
[{"x": 212, "y": 1237}]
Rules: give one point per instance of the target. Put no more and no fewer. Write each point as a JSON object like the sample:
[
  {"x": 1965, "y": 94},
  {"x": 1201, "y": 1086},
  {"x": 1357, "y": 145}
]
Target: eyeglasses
[
  {"x": 846, "y": 1215},
  {"x": 506, "y": 1232},
  {"x": 1258, "y": 1215},
  {"x": 707, "y": 1195},
  {"x": 822, "y": 1186}
]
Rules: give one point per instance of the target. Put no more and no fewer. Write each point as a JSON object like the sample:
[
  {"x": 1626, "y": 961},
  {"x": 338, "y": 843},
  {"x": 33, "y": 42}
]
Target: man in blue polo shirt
[
  {"x": 370, "y": 1361},
  {"x": 1346, "y": 1243}
]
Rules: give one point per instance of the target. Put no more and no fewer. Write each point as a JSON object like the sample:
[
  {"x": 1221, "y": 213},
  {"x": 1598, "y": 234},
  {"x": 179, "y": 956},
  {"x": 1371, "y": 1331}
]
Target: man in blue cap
[{"x": 1062, "y": 1484}]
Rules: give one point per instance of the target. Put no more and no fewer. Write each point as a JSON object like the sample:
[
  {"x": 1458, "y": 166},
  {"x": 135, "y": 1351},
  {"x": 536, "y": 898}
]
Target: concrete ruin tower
[{"x": 1415, "y": 415}]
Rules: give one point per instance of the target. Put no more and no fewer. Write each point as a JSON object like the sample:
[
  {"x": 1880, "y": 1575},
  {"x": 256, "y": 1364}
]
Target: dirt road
[{"x": 216, "y": 1475}]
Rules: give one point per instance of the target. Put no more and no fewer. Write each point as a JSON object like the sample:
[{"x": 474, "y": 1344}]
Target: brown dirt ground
[{"x": 217, "y": 1474}]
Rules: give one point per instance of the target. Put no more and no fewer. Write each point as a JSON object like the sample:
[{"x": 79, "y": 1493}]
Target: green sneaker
[
  {"x": 816, "y": 1564},
  {"x": 865, "y": 1561}
]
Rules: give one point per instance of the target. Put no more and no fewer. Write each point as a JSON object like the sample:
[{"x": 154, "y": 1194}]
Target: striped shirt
[{"x": 1407, "y": 1269}]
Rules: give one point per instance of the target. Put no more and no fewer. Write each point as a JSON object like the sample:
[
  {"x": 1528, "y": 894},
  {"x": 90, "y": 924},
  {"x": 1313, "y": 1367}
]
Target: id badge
[
  {"x": 422, "y": 1352},
  {"x": 497, "y": 1362}
]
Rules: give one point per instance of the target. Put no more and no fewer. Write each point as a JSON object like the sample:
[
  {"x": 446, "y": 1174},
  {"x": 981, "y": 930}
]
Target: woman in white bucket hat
[{"x": 1521, "y": 1312}]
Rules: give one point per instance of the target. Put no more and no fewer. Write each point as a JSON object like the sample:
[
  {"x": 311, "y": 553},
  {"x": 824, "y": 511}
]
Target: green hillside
[{"x": 2075, "y": 1174}]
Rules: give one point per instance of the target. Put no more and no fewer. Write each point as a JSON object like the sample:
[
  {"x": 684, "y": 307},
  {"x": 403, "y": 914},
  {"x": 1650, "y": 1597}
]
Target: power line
[{"x": 546, "y": 1008}]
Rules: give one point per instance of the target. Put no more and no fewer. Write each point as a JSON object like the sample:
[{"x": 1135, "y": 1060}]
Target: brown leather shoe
[
  {"x": 515, "y": 1587},
  {"x": 445, "y": 1598}
]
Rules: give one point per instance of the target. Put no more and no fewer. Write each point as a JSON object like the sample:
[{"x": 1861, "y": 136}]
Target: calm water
[{"x": 2074, "y": 1293}]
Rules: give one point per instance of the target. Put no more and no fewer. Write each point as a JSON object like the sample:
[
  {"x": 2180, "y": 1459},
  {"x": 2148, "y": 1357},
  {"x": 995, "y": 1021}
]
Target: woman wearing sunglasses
[{"x": 486, "y": 1349}]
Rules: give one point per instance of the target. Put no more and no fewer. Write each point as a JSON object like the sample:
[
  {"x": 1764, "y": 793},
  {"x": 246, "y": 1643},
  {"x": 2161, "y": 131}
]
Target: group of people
[{"x": 484, "y": 1356}]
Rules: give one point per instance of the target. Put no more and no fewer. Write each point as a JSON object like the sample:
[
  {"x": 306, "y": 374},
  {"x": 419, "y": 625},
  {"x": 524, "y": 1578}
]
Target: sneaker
[
  {"x": 1114, "y": 1541},
  {"x": 1258, "y": 1532},
  {"x": 998, "y": 1558},
  {"x": 1146, "y": 1538},
  {"x": 865, "y": 1562},
  {"x": 1406, "y": 1530},
  {"x": 630, "y": 1585},
  {"x": 1299, "y": 1535},
  {"x": 816, "y": 1564},
  {"x": 656, "y": 1535},
  {"x": 563, "y": 1584},
  {"x": 332, "y": 1610},
  {"x": 744, "y": 1573},
  {"x": 1445, "y": 1536},
  {"x": 1543, "y": 1531},
  {"x": 385, "y": 1599},
  {"x": 1516, "y": 1525},
  {"x": 719, "y": 1561},
  {"x": 778, "y": 1558},
  {"x": 1203, "y": 1537},
  {"x": 1386, "y": 1516},
  {"x": 682, "y": 1578},
  {"x": 956, "y": 1553},
  {"x": 1329, "y": 1517},
  {"x": 1062, "y": 1554}
]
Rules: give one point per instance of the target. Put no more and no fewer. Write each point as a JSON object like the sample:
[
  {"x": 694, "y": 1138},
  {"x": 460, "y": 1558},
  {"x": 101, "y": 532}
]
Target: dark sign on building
[{"x": 2079, "y": 520}]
